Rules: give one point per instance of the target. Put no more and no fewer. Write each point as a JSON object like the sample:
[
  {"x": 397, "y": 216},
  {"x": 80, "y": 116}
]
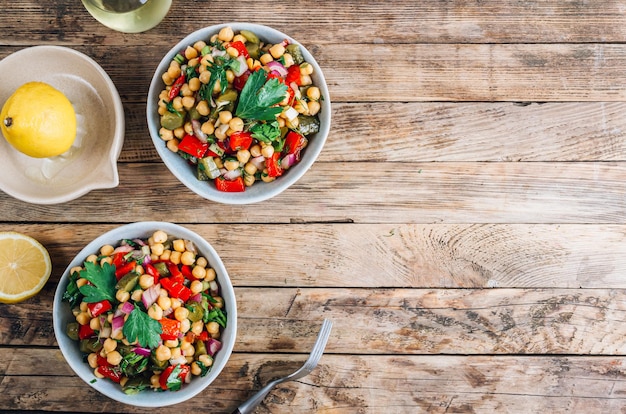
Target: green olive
[
  {"x": 170, "y": 120},
  {"x": 250, "y": 36},
  {"x": 72, "y": 330}
]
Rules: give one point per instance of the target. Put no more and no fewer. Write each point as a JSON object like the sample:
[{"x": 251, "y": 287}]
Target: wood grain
[{"x": 355, "y": 384}]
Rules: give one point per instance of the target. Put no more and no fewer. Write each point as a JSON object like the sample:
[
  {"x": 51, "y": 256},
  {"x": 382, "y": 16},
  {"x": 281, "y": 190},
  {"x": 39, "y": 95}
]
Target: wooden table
[{"x": 464, "y": 226}]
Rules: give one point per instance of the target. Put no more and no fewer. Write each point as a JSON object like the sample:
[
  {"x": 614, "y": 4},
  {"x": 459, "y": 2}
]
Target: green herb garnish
[
  {"x": 102, "y": 280},
  {"x": 258, "y": 97},
  {"x": 142, "y": 328}
]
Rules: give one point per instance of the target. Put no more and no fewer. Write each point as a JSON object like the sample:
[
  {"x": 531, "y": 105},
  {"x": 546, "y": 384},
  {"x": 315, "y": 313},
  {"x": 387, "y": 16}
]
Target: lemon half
[
  {"x": 25, "y": 267},
  {"x": 38, "y": 120}
]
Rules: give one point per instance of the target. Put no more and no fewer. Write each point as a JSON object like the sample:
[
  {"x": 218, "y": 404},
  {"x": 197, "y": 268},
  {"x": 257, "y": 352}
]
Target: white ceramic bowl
[
  {"x": 62, "y": 315},
  {"x": 260, "y": 191},
  {"x": 91, "y": 163}
]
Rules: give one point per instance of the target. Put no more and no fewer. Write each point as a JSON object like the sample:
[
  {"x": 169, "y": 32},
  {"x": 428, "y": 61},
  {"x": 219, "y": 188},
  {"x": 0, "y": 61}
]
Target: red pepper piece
[
  {"x": 125, "y": 269},
  {"x": 118, "y": 259},
  {"x": 176, "y": 289},
  {"x": 293, "y": 75},
  {"x": 110, "y": 373},
  {"x": 240, "y": 81},
  {"x": 175, "y": 90},
  {"x": 294, "y": 143},
  {"x": 240, "y": 47},
  {"x": 98, "y": 308},
  {"x": 186, "y": 271},
  {"x": 171, "y": 329},
  {"x": 184, "y": 372},
  {"x": 191, "y": 145},
  {"x": 175, "y": 274},
  {"x": 240, "y": 140},
  {"x": 151, "y": 270},
  {"x": 273, "y": 166},
  {"x": 230, "y": 186},
  {"x": 204, "y": 336},
  {"x": 85, "y": 332}
]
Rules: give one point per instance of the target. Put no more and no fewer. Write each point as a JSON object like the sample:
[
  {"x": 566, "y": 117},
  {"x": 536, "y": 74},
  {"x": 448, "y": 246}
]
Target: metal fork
[{"x": 316, "y": 353}]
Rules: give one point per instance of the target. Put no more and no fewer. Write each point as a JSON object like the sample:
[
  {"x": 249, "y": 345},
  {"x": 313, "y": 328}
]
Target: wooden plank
[
  {"x": 352, "y": 384},
  {"x": 450, "y": 192},
  {"x": 399, "y": 321},
  {"x": 428, "y": 131},
  {"x": 391, "y": 255},
  {"x": 427, "y": 72},
  {"x": 491, "y": 21}
]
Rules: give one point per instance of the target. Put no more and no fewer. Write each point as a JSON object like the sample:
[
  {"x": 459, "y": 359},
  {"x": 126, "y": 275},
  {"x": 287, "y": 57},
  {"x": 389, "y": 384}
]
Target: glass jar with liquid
[{"x": 129, "y": 16}]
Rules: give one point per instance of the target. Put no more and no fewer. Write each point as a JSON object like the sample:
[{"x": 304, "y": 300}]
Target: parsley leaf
[
  {"x": 142, "y": 328},
  {"x": 102, "y": 280},
  {"x": 174, "y": 382},
  {"x": 258, "y": 97},
  {"x": 266, "y": 132},
  {"x": 72, "y": 293}
]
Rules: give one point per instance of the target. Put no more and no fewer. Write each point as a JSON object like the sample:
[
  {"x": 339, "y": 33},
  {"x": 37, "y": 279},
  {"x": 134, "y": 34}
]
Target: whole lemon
[{"x": 38, "y": 120}]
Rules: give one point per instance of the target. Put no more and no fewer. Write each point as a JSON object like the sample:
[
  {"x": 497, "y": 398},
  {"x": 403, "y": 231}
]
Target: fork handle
[{"x": 252, "y": 402}]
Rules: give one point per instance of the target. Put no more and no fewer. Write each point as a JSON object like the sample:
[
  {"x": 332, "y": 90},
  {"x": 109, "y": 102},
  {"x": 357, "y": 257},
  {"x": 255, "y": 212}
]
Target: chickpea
[
  {"x": 210, "y": 274},
  {"x": 109, "y": 345},
  {"x": 212, "y": 327},
  {"x": 190, "y": 52},
  {"x": 232, "y": 51},
  {"x": 177, "y": 103},
  {"x": 166, "y": 134},
  {"x": 188, "y": 258},
  {"x": 178, "y": 245},
  {"x": 108, "y": 260},
  {"x": 225, "y": 117},
  {"x": 305, "y": 80},
  {"x": 146, "y": 281},
  {"x": 218, "y": 302},
  {"x": 187, "y": 349},
  {"x": 157, "y": 249},
  {"x": 220, "y": 132},
  {"x": 167, "y": 79},
  {"x": 277, "y": 50},
  {"x": 189, "y": 102},
  {"x": 175, "y": 257},
  {"x": 197, "y": 327},
  {"x": 226, "y": 34},
  {"x": 181, "y": 313},
  {"x": 267, "y": 151},
  {"x": 231, "y": 165},
  {"x": 162, "y": 353},
  {"x": 206, "y": 360},
  {"x": 95, "y": 324},
  {"x": 188, "y": 128},
  {"x": 185, "y": 90},
  {"x": 178, "y": 133},
  {"x": 83, "y": 318},
  {"x": 255, "y": 150},
  {"x": 250, "y": 169},
  {"x": 171, "y": 343},
  {"x": 195, "y": 369},
  {"x": 248, "y": 180},
  {"x": 114, "y": 358},
  {"x": 196, "y": 286},
  {"x": 83, "y": 306},
  {"x": 243, "y": 156},
  {"x": 92, "y": 258},
  {"x": 313, "y": 93},
  {"x": 155, "y": 312},
  {"x": 164, "y": 302},
  {"x": 205, "y": 77},
  {"x": 172, "y": 145},
  {"x": 166, "y": 255},
  {"x": 236, "y": 124},
  {"x": 198, "y": 272},
  {"x": 155, "y": 381},
  {"x": 207, "y": 127},
  {"x": 122, "y": 295},
  {"x": 136, "y": 296},
  {"x": 81, "y": 282},
  {"x": 201, "y": 261},
  {"x": 97, "y": 374},
  {"x": 106, "y": 250},
  {"x": 306, "y": 68},
  {"x": 203, "y": 108},
  {"x": 288, "y": 59},
  {"x": 266, "y": 58},
  {"x": 314, "y": 107},
  {"x": 175, "y": 352},
  {"x": 92, "y": 360},
  {"x": 230, "y": 76},
  {"x": 240, "y": 38},
  {"x": 199, "y": 45},
  {"x": 185, "y": 325},
  {"x": 174, "y": 70},
  {"x": 176, "y": 303}
]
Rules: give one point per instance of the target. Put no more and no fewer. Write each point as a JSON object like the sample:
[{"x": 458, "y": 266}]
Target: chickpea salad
[
  {"x": 148, "y": 313},
  {"x": 239, "y": 110}
]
